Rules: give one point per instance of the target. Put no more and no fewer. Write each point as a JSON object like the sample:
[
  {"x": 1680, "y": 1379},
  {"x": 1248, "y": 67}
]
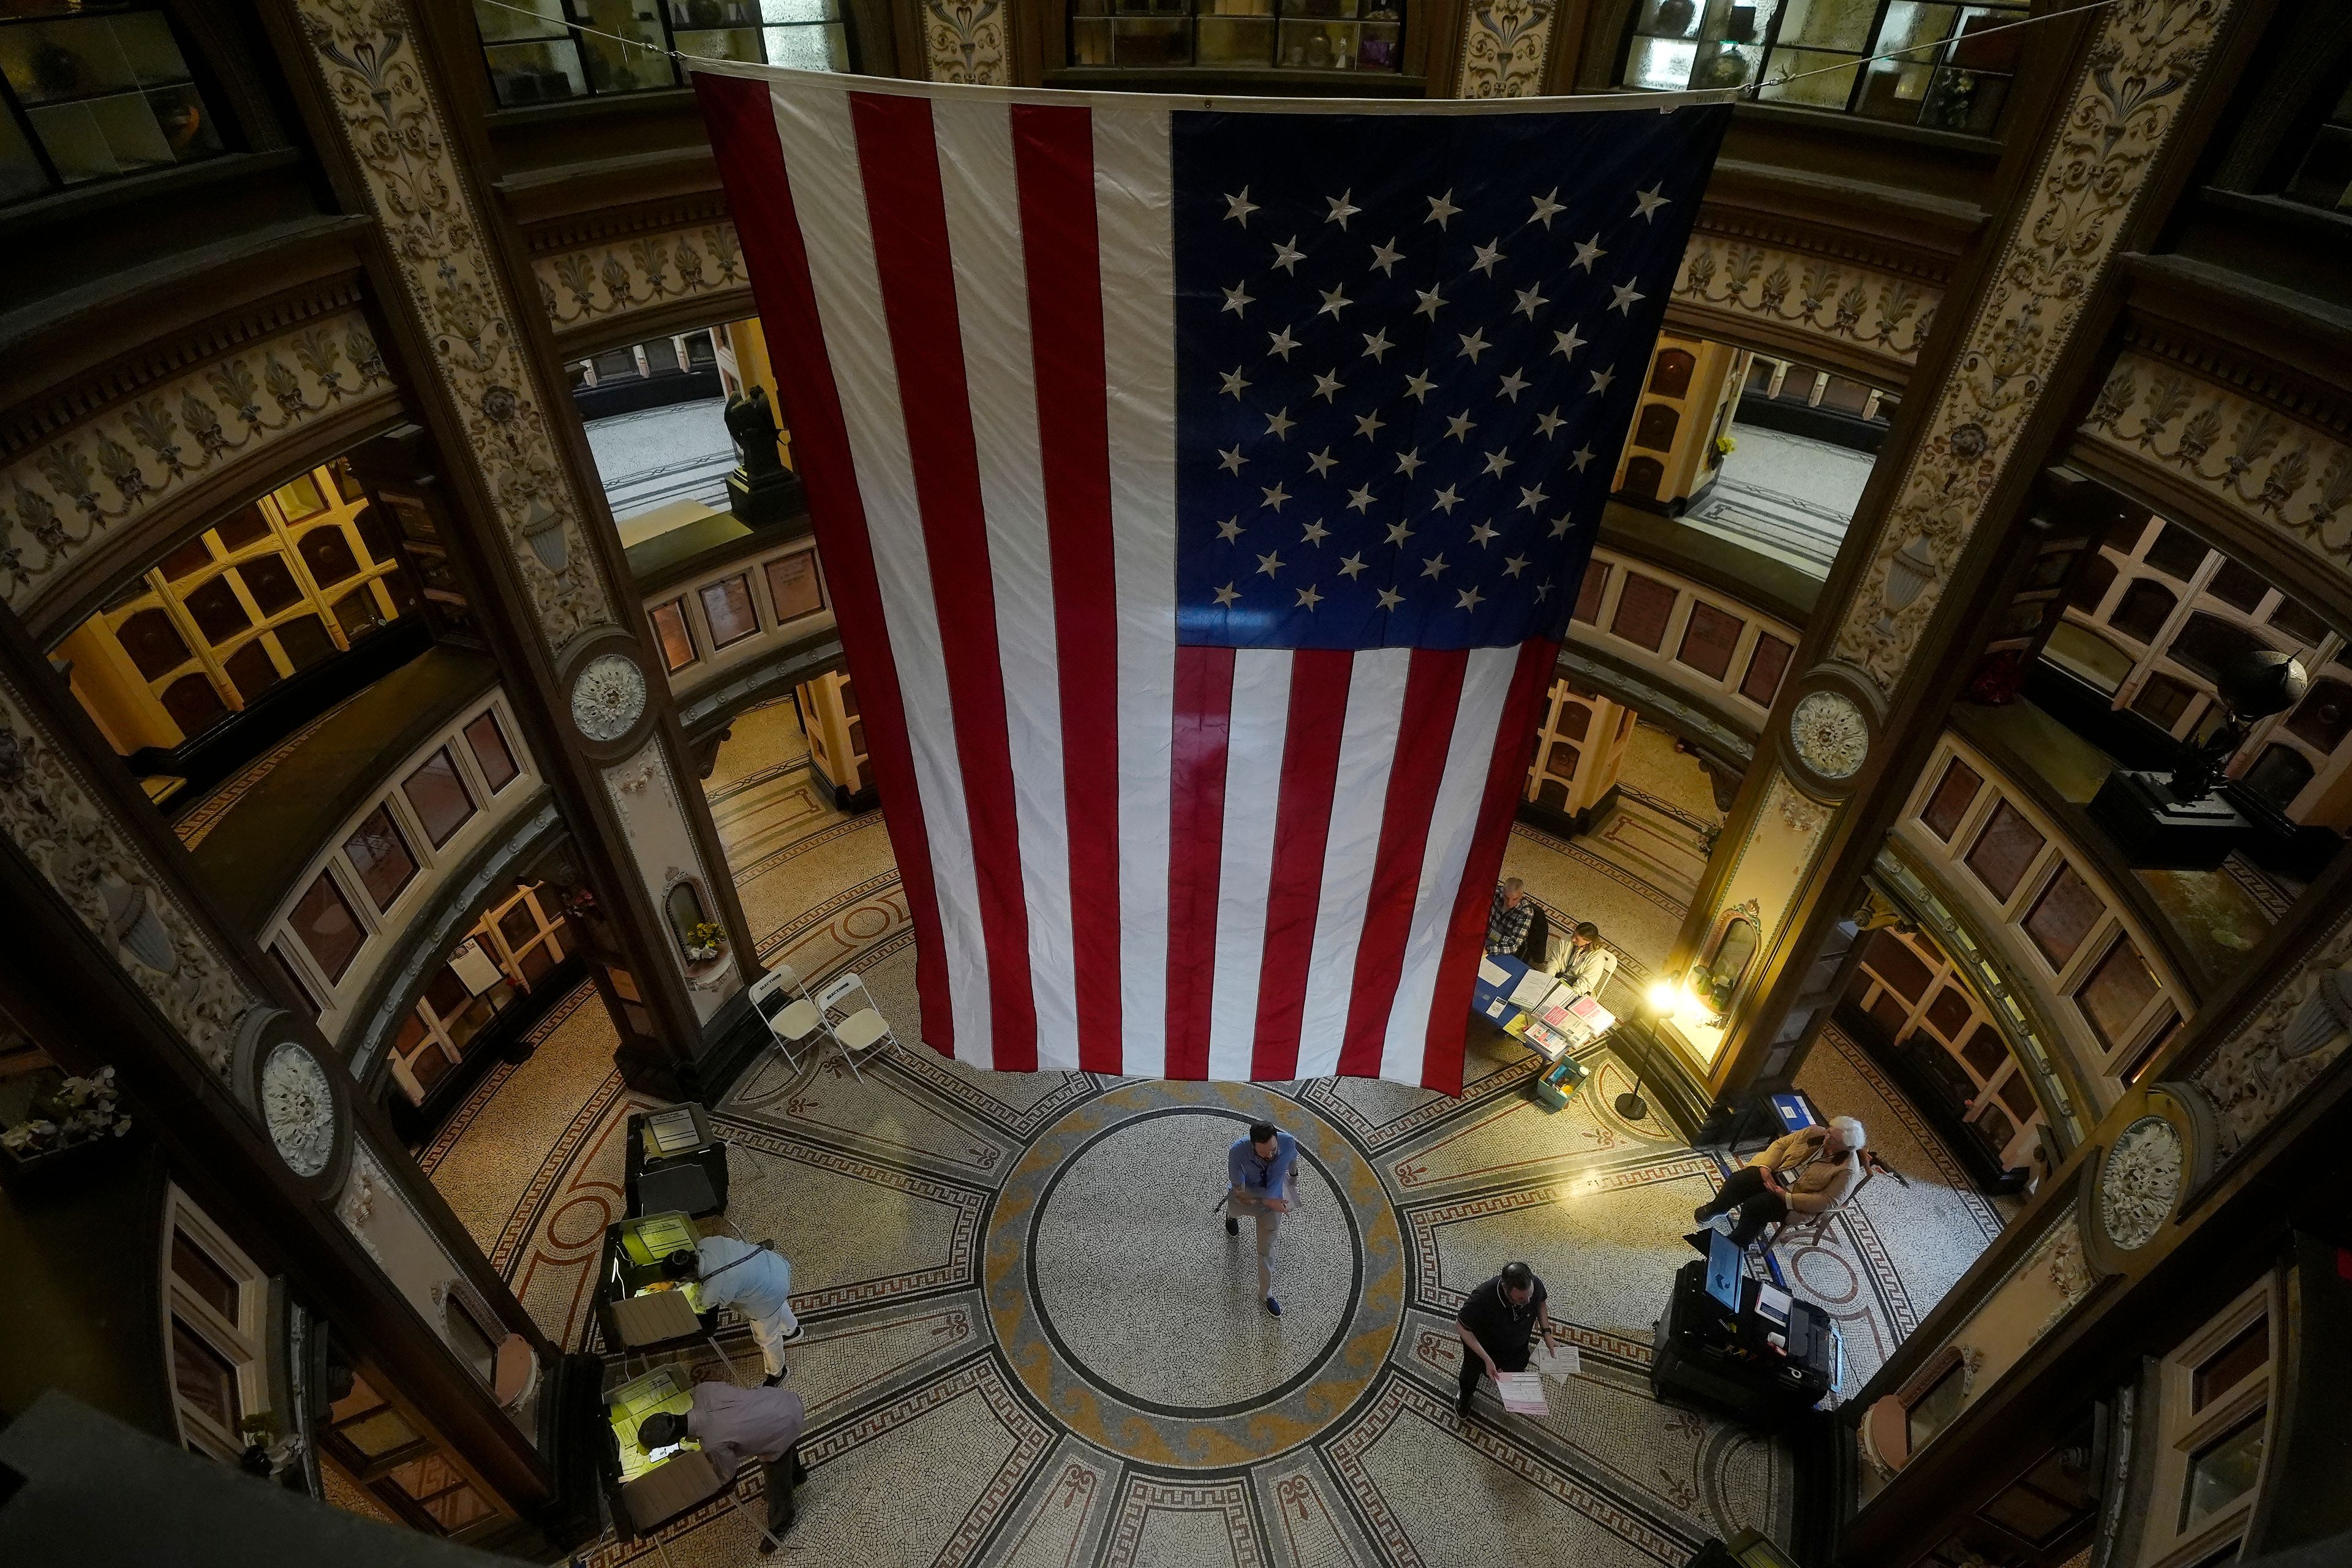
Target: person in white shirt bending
[{"x": 756, "y": 1281}]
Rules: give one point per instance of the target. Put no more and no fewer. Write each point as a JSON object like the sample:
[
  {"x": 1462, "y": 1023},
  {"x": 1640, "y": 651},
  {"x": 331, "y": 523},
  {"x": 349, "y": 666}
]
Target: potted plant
[{"x": 703, "y": 940}]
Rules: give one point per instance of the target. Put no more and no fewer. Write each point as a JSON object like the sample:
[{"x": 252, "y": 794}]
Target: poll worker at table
[
  {"x": 733, "y": 1425},
  {"x": 1589, "y": 965},
  {"x": 757, "y": 1282},
  {"x": 1498, "y": 1324},
  {"x": 1509, "y": 915},
  {"x": 1257, "y": 1172},
  {"x": 1807, "y": 1171}
]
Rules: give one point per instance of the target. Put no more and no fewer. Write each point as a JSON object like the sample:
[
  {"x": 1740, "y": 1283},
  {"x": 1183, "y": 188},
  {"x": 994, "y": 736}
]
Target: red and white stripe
[{"x": 1121, "y": 855}]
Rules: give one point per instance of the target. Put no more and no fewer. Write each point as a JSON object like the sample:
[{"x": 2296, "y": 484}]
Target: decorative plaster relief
[
  {"x": 608, "y": 696},
  {"x": 297, "y": 1104},
  {"x": 134, "y": 452},
  {"x": 2139, "y": 1180},
  {"x": 1882, "y": 311},
  {"x": 2135, "y": 83},
  {"x": 2061, "y": 1256},
  {"x": 1505, "y": 45},
  {"x": 365, "y": 55},
  {"x": 64, "y": 830},
  {"x": 2296, "y": 1033},
  {"x": 581, "y": 286},
  {"x": 964, "y": 41},
  {"x": 2283, "y": 476},
  {"x": 1828, "y": 735}
]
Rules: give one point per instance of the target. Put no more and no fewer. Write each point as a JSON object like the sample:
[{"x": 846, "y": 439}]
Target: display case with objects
[{"x": 675, "y": 1162}]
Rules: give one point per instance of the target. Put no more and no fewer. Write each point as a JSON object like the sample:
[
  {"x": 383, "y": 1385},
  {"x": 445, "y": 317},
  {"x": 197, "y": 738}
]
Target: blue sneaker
[{"x": 1272, "y": 1307}]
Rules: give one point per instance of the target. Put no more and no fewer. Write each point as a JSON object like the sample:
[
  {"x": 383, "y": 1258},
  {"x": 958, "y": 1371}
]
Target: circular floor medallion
[
  {"x": 1124, "y": 1307},
  {"x": 1127, "y": 1275}
]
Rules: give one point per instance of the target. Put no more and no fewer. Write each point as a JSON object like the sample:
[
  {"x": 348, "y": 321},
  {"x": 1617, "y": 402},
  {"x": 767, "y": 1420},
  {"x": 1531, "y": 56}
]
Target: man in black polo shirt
[{"x": 1497, "y": 1322}]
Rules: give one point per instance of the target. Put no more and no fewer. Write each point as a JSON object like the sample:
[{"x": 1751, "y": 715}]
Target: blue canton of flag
[{"x": 1408, "y": 352}]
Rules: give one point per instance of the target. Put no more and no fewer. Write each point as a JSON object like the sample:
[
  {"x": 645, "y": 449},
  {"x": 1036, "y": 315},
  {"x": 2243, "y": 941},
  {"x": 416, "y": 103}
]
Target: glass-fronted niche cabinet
[
  {"x": 282, "y": 584},
  {"x": 1289, "y": 35}
]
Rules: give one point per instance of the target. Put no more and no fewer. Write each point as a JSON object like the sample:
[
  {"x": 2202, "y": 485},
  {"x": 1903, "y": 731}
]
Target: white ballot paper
[
  {"x": 1523, "y": 1394},
  {"x": 1561, "y": 1363},
  {"x": 1492, "y": 973},
  {"x": 1530, "y": 991}
]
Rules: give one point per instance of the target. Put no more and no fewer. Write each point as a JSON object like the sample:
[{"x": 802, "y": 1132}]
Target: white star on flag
[
  {"x": 1547, "y": 208},
  {"x": 1231, "y": 461},
  {"x": 1310, "y": 596},
  {"x": 1238, "y": 297},
  {"x": 1277, "y": 426},
  {"x": 1321, "y": 462},
  {"x": 1487, "y": 256},
  {"x": 1626, "y": 294},
  {"x": 1226, "y": 597},
  {"x": 1441, "y": 208},
  {"x": 1282, "y": 343},
  {"x": 1341, "y": 211},
  {"x": 1566, "y": 343},
  {"x": 1588, "y": 253},
  {"x": 1377, "y": 343},
  {"x": 1229, "y": 530},
  {"x": 1286, "y": 254},
  {"x": 1386, "y": 257},
  {"x": 1650, "y": 201},
  {"x": 1269, "y": 564},
  {"x": 1238, "y": 208}
]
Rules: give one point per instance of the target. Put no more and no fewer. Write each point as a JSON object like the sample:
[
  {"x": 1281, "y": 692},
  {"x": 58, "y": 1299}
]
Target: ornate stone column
[
  {"x": 2007, "y": 367},
  {"x": 515, "y": 488}
]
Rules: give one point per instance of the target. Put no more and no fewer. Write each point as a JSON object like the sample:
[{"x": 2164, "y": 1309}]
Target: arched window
[
  {"x": 2208, "y": 644},
  {"x": 1671, "y": 376},
  {"x": 2279, "y": 775},
  {"x": 1656, "y": 427},
  {"x": 1642, "y": 477},
  {"x": 2326, "y": 715},
  {"x": 1953, "y": 75}
]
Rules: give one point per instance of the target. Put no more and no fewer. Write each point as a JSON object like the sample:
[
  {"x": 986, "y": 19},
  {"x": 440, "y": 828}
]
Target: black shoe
[
  {"x": 1462, "y": 1407},
  {"x": 772, "y": 1379},
  {"x": 1699, "y": 1214},
  {"x": 1272, "y": 1307},
  {"x": 1233, "y": 1225}
]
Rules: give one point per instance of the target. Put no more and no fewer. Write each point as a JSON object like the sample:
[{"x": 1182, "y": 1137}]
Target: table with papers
[{"x": 1536, "y": 1009}]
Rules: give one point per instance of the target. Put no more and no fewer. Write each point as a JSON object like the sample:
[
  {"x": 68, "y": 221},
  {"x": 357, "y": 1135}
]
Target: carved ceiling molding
[
  {"x": 1825, "y": 239},
  {"x": 2260, "y": 456},
  {"x": 1885, "y": 314},
  {"x": 62, "y": 828},
  {"x": 162, "y": 437},
  {"x": 597, "y": 282},
  {"x": 2294, "y": 1033},
  {"x": 2123, "y": 110},
  {"x": 2246, "y": 371},
  {"x": 1505, "y": 45},
  {"x": 365, "y": 55},
  {"x": 964, "y": 41},
  {"x": 606, "y": 225},
  {"x": 167, "y": 358}
]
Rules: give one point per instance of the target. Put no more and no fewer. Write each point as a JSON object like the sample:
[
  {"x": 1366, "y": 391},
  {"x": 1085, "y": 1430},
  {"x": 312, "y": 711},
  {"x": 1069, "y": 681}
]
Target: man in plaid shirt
[{"x": 1509, "y": 916}]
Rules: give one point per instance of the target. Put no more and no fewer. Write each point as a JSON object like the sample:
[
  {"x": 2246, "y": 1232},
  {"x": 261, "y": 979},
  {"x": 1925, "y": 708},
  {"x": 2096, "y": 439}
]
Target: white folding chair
[
  {"x": 792, "y": 1016},
  {"x": 854, "y": 1019}
]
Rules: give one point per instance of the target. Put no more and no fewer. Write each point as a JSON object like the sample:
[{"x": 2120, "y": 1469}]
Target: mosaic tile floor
[{"x": 1030, "y": 1340}]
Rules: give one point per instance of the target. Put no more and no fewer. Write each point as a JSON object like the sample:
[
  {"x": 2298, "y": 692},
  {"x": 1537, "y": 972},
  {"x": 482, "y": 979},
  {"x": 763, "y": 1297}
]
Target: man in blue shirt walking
[{"x": 1258, "y": 1170}]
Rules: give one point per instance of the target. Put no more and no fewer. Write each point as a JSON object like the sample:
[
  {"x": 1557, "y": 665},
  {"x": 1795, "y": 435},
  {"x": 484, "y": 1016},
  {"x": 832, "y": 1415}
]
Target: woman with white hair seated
[{"x": 1808, "y": 1172}]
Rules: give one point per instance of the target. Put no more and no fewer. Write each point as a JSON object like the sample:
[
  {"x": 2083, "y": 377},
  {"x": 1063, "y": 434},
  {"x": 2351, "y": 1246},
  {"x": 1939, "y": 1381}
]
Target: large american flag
[{"x": 1204, "y": 487}]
